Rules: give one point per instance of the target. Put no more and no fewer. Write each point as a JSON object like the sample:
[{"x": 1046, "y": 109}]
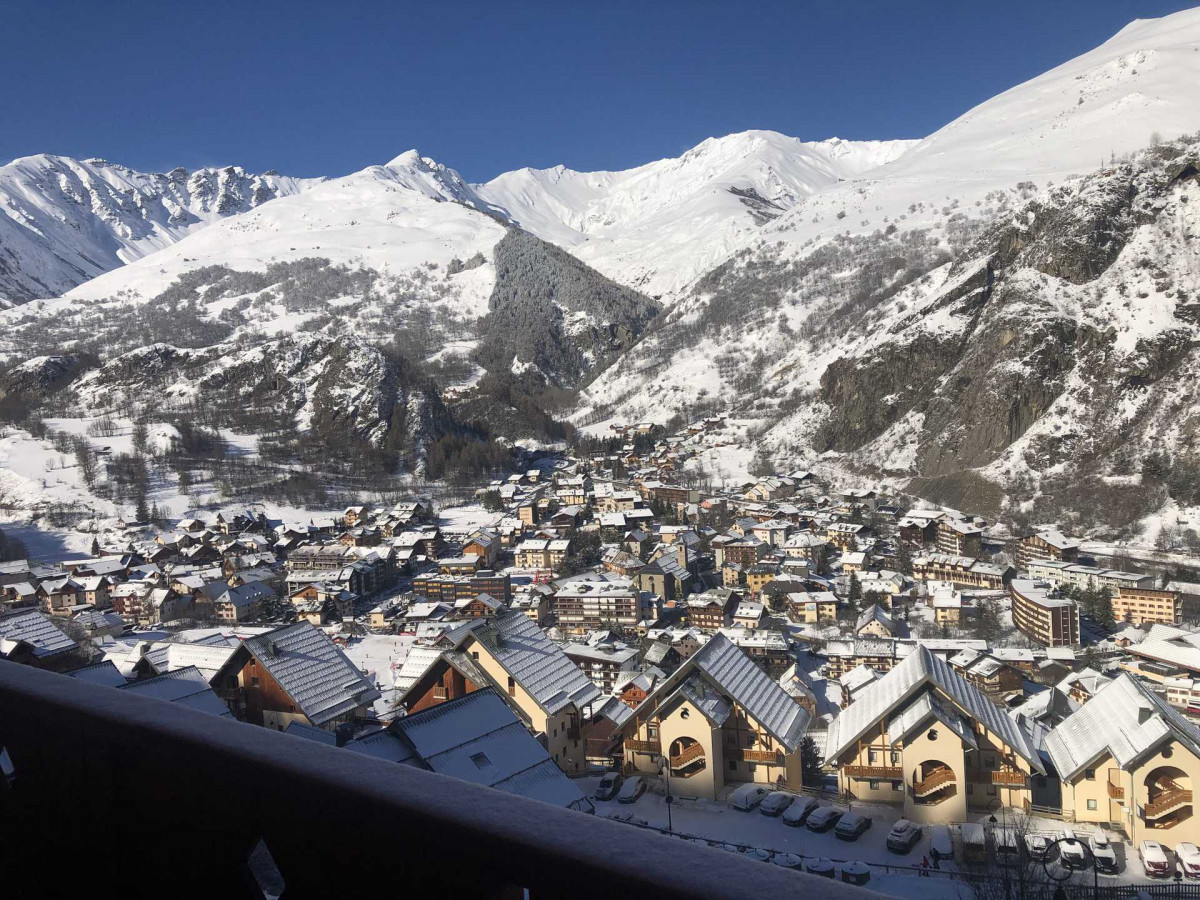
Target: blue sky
[{"x": 326, "y": 89}]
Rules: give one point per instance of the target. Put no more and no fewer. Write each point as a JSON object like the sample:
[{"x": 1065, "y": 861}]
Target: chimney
[{"x": 1144, "y": 714}]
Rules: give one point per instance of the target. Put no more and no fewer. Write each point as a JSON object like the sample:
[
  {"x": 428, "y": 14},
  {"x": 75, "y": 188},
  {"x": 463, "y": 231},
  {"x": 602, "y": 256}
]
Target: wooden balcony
[
  {"x": 882, "y": 773},
  {"x": 1010, "y": 778},
  {"x": 770, "y": 757},
  {"x": 643, "y": 746},
  {"x": 934, "y": 781},
  {"x": 1116, "y": 792},
  {"x": 687, "y": 755},
  {"x": 1166, "y": 802}
]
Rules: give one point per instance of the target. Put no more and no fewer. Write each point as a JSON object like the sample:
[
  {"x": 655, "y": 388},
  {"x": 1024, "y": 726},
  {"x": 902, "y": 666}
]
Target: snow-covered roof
[
  {"x": 477, "y": 738},
  {"x": 535, "y": 662},
  {"x": 37, "y": 630},
  {"x": 1126, "y": 720},
  {"x": 920, "y": 672},
  {"x": 185, "y": 686},
  {"x": 319, "y": 678}
]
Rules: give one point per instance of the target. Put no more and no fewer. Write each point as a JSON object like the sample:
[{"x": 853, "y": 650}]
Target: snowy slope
[
  {"x": 64, "y": 221},
  {"x": 411, "y": 213},
  {"x": 658, "y": 226},
  {"x": 1114, "y": 99}
]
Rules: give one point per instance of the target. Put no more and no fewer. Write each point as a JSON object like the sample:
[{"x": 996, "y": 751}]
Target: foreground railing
[{"x": 179, "y": 799}]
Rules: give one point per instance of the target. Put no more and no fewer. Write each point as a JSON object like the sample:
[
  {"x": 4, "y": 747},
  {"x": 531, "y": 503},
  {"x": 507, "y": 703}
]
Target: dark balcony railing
[{"x": 193, "y": 794}]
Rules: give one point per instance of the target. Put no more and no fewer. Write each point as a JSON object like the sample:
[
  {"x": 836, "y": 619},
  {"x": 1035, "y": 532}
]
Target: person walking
[{"x": 924, "y": 873}]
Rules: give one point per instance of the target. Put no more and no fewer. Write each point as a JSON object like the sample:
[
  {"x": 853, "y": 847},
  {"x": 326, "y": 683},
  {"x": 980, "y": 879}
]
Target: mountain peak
[{"x": 409, "y": 159}]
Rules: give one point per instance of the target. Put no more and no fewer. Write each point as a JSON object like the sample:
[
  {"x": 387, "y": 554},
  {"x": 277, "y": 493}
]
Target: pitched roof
[
  {"x": 1126, "y": 720},
  {"x": 535, "y": 662},
  {"x": 477, "y": 738},
  {"x": 319, "y": 678},
  {"x": 736, "y": 674},
  {"x": 919, "y": 673},
  {"x": 186, "y": 686},
  {"x": 37, "y": 630}
]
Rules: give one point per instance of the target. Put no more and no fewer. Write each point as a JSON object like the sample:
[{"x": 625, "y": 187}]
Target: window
[
  {"x": 989, "y": 761},
  {"x": 439, "y": 692},
  {"x": 652, "y": 732},
  {"x": 684, "y": 713},
  {"x": 897, "y": 785},
  {"x": 991, "y": 789},
  {"x": 750, "y": 768},
  {"x": 512, "y": 687},
  {"x": 1091, "y": 804},
  {"x": 873, "y": 784},
  {"x": 254, "y": 681},
  {"x": 474, "y": 654},
  {"x": 870, "y": 756},
  {"x": 733, "y": 765},
  {"x": 481, "y": 760},
  {"x": 895, "y": 757},
  {"x": 1089, "y": 774}
]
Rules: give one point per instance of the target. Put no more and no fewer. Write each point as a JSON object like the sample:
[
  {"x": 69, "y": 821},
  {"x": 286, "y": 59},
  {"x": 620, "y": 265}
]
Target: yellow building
[
  {"x": 717, "y": 720},
  {"x": 1128, "y": 759},
  {"x": 1140, "y": 606},
  {"x": 924, "y": 739}
]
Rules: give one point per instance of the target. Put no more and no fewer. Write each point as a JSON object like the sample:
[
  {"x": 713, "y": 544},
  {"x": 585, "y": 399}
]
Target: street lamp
[{"x": 666, "y": 770}]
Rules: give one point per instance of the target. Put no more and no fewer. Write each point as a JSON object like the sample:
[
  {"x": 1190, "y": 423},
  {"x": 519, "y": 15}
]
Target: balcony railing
[
  {"x": 883, "y": 773},
  {"x": 934, "y": 781},
  {"x": 1010, "y": 778},
  {"x": 687, "y": 755},
  {"x": 1116, "y": 792},
  {"x": 643, "y": 746},
  {"x": 770, "y": 757},
  {"x": 81, "y": 750},
  {"x": 1166, "y": 802}
]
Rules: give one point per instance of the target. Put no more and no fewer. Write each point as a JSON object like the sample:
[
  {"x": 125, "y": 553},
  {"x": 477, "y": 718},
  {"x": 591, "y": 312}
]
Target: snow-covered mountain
[
  {"x": 659, "y": 226},
  {"x": 64, "y": 221},
  {"x": 865, "y": 327}
]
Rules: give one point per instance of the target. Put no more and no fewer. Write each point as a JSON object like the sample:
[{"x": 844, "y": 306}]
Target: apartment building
[
  {"x": 1048, "y": 620},
  {"x": 1084, "y": 577},
  {"x": 958, "y": 537},
  {"x": 963, "y": 571},
  {"x": 1046, "y": 544},
  {"x": 1140, "y": 606}
]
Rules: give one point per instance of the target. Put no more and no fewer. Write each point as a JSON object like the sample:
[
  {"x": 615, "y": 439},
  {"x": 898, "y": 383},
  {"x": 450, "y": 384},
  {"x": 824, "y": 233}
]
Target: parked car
[
  {"x": 823, "y": 819},
  {"x": 851, "y": 826},
  {"x": 903, "y": 836},
  {"x": 800, "y": 810},
  {"x": 940, "y": 845},
  {"x": 748, "y": 796},
  {"x": 1071, "y": 852},
  {"x": 1154, "y": 859},
  {"x": 1038, "y": 846},
  {"x": 775, "y": 803},
  {"x": 609, "y": 784},
  {"x": 1103, "y": 854},
  {"x": 632, "y": 789},
  {"x": 1188, "y": 855}
]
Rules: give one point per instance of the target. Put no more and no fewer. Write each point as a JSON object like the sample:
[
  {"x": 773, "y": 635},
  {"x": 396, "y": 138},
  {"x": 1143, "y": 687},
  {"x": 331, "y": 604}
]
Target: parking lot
[{"x": 893, "y": 873}]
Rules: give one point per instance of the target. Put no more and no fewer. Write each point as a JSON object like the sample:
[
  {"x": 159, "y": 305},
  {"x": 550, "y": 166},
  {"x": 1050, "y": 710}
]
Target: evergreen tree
[
  {"x": 855, "y": 592},
  {"x": 95, "y": 551},
  {"x": 1104, "y": 612},
  {"x": 987, "y": 621},
  {"x": 810, "y": 762},
  {"x": 142, "y": 513},
  {"x": 904, "y": 559}
]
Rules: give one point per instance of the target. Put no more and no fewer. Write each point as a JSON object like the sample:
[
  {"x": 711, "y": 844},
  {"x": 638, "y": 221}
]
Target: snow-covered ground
[{"x": 381, "y": 656}]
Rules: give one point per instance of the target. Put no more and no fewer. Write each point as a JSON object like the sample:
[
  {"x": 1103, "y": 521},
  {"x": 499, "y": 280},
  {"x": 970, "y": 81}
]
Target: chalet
[
  {"x": 994, "y": 679},
  {"x": 1128, "y": 760},
  {"x": 749, "y": 614},
  {"x": 57, "y": 595},
  {"x": 355, "y": 515},
  {"x": 924, "y": 739},
  {"x": 384, "y": 615},
  {"x": 846, "y": 535},
  {"x": 874, "y": 622},
  {"x": 239, "y": 604},
  {"x": 759, "y": 575},
  {"x": 843, "y": 655},
  {"x": 533, "y": 554},
  {"x": 34, "y": 639},
  {"x": 1083, "y": 685},
  {"x": 769, "y": 649},
  {"x": 918, "y": 530},
  {"x": 633, "y": 690},
  {"x": 322, "y": 601},
  {"x": 483, "y": 606},
  {"x": 483, "y": 544},
  {"x": 547, "y": 691},
  {"x": 294, "y": 673},
  {"x": 718, "y": 719},
  {"x": 796, "y": 686},
  {"x": 712, "y": 610},
  {"x": 769, "y": 489},
  {"x": 815, "y": 608},
  {"x": 606, "y": 665}
]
